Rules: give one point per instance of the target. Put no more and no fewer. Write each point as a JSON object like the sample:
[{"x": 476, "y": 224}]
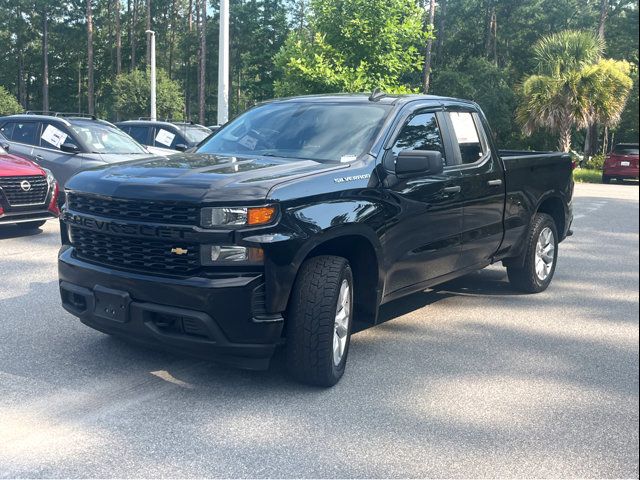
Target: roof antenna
[{"x": 377, "y": 95}]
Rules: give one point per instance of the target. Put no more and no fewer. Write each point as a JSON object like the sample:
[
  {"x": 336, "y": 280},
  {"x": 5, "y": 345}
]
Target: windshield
[
  {"x": 100, "y": 138},
  {"x": 314, "y": 131},
  {"x": 626, "y": 150},
  {"x": 195, "y": 135}
]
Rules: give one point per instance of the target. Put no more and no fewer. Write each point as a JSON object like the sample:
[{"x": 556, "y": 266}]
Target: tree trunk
[
  {"x": 426, "y": 71},
  {"x": 172, "y": 27},
  {"x": 442, "y": 21},
  {"x": 118, "y": 38},
  {"x": 202, "y": 62},
  {"x": 90, "y": 84},
  {"x": 604, "y": 11},
  {"x": 490, "y": 47},
  {"x": 565, "y": 138},
  {"x": 148, "y": 27},
  {"x": 22, "y": 88},
  {"x": 79, "y": 85},
  {"x": 190, "y": 17},
  {"x": 45, "y": 61},
  {"x": 132, "y": 34}
]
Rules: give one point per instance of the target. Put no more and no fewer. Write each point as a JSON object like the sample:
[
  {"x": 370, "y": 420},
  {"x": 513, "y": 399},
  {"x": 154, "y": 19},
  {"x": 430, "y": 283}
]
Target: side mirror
[
  {"x": 424, "y": 162},
  {"x": 70, "y": 148},
  {"x": 5, "y": 146},
  {"x": 181, "y": 147}
]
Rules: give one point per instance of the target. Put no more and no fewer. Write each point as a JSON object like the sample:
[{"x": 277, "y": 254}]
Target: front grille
[
  {"x": 22, "y": 191},
  {"x": 147, "y": 256},
  {"x": 134, "y": 210}
]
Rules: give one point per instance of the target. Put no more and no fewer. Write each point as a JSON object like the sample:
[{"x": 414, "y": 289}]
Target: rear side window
[
  {"x": 468, "y": 137},
  {"x": 24, "y": 133},
  {"x": 421, "y": 132},
  {"x": 139, "y": 134}
]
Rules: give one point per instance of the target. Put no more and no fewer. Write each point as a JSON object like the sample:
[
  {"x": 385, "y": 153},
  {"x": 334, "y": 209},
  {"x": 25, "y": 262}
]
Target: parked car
[
  {"x": 621, "y": 163},
  {"x": 66, "y": 144},
  {"x": 169, "y": 136},
  {"x": 300, "y": 216},
  {"x": 28, "y": 193}
]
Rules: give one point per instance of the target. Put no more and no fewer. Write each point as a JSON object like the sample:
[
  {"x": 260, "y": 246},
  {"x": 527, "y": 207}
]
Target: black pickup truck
[{"x": 300, "y": 217}]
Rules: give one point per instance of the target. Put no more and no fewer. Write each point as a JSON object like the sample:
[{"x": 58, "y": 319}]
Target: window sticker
[
  {"x": 249, "y": 142},
  {"x": 348, "y": 158},
  {"x": 165, "y": 137},
  {"x": 464, "y": 127},
  {"x": 53, "y": 136}
]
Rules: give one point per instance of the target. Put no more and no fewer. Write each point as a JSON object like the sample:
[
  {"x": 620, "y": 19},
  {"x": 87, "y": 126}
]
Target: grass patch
[{"x": 585, "y": 175}]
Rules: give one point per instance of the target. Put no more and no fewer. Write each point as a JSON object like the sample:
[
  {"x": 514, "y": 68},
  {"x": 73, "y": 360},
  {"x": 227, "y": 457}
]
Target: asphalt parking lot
[{"x": 468, "y": 380}]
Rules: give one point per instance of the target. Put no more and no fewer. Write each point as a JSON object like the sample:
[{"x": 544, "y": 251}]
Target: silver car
[{"x": 67, "y": 145}]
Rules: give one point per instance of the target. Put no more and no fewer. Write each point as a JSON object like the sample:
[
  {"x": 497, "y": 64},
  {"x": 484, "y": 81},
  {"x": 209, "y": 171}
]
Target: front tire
[
  {"x": 319, "y": 321},
  {"x": 541, "y": 256}
]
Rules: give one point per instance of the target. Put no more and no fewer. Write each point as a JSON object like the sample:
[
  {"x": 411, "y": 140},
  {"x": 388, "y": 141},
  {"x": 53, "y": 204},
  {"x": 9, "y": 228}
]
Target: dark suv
[
  {"x": 178, "y": 136},
  {"x": 68, "y": 143}
]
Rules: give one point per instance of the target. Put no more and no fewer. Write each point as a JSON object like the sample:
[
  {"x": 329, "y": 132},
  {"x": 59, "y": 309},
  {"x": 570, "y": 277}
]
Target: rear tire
[
  {"x": 541, "y": 256},
  {"x": 606, "y": 179},
  {"x": 318, "y": 321},
  {"x": 31, "y": 225}
]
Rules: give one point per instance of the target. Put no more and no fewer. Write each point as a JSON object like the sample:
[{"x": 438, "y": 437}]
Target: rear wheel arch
[{"x": 555, "y": 208}]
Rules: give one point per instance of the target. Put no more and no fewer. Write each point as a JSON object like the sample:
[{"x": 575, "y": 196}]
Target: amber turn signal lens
[{"x": 260, "y": 215}]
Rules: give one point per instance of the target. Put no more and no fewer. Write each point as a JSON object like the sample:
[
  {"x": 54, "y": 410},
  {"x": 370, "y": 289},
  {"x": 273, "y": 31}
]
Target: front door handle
[
  {"x": 456, "y": 189},
  {"x": 494, "y": 183},
  {"x": 39, "y": 157}
]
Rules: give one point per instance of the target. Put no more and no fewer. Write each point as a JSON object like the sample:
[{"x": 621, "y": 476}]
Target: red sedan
[
  {"x": 621, "y": 163},
  {"x": 28, "y": 193}
]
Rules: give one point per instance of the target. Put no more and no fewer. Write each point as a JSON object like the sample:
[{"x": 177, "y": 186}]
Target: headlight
[
  {"x": 51, "y": 180},
  {"x": 212, "y": 217},
  {"x": 230, "y": 254}
]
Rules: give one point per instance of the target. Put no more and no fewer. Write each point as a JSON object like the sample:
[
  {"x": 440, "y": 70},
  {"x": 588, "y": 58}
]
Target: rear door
[
  {"x": 424, "y": 242},
  {"x": 22, "y": 135},
  {"x": 483, "y": 187}
]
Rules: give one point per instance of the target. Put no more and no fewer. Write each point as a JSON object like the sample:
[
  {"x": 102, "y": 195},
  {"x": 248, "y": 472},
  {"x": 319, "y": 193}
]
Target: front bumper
[
  {"x": 25, "y": 216},
  {"x": 213, "y": 318}
]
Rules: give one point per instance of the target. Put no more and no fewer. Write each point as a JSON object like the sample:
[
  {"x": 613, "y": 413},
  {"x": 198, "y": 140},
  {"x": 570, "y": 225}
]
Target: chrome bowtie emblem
[{"x": 24, "y": 185}]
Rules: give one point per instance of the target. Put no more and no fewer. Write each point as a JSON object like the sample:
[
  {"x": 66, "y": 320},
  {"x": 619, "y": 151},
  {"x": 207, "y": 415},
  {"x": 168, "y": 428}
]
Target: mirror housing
[
  {"x": 181, "y": 147},
  {"x": 70, "y": 148},
  {"x": 5, "y": 146},
  {"x": 414, "y": 162}
]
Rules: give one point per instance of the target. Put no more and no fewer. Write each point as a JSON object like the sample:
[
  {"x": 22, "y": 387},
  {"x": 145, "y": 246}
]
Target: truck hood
[{"x": 195, "y": 177}]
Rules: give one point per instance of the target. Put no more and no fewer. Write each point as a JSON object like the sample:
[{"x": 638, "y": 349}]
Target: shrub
[
  {"x": 596, "y": 162},
  {"x": 8, "y": 103}
]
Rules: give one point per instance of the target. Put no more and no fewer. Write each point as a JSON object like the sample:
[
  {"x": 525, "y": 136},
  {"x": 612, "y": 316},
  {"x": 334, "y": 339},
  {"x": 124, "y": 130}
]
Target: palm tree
[{"x": 573, "y": 86}]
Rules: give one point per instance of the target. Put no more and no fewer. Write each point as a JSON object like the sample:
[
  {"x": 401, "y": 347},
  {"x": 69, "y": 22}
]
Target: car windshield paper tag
[
  {"x": 165, "y": 138},
  {"x": 464, "y": 127},
  {"x": 348, "y": 158},
  {"x": 54, "y": 136},
  {"x": 249, "y": 142}
]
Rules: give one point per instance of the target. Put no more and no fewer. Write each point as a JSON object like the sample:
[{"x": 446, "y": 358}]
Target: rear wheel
[
  {"x": 319, "y": 321},
  {"x": 31, "y": 225},
  {"x": 541, "y": 255}
]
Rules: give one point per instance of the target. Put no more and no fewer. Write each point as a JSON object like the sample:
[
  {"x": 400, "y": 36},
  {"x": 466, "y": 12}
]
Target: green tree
[
  {"x": 8, "y": 103},
  {"x": 130, "y": 96},
  {"x": 353, "y": 45},
  {"x": 573, "y": 87}
]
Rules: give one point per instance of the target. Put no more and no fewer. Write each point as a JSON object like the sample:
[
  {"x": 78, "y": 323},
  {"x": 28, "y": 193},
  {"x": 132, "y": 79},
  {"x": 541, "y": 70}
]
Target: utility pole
[
  {"x": 152, "y": 68},
  {"x": 223, "y": 64}
]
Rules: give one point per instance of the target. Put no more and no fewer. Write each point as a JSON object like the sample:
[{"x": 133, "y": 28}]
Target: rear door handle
[
  {"x": 456, "y": 189},
  {"x": 494, "y": 183}
]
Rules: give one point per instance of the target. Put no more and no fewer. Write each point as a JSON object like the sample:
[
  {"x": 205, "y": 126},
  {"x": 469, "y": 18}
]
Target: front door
[{"x": 423, "y": 242}]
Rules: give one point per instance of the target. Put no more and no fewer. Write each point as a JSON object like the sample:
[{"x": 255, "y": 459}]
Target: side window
[
  {"x": 140, "y": 134},
  {"x": 468, "y": 137},
  {"x": 25, "y": 133},
  {"x": 164, "y": 138},
  {"x": 421, "y": 132},
  {"x": 53, "y": 136},
  {"x": 7, "y": 130}
]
